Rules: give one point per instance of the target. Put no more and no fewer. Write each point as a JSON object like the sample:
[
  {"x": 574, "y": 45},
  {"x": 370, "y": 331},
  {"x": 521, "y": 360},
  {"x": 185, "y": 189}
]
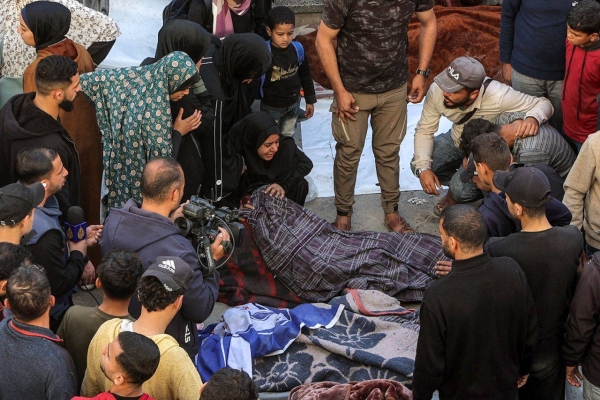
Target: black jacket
[
  {"x": 22, "y": 126},
  {"x": 478, "y": 332}
]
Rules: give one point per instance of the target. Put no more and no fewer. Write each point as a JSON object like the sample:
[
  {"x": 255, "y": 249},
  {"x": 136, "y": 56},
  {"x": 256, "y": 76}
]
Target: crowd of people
[{"x": 515, "y": 307}]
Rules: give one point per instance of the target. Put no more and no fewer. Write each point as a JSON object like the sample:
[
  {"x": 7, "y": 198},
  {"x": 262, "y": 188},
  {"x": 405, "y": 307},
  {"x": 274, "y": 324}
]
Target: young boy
[
  {"x": 229, "y": 384},
  {"x": 289, "y": 73},
  {"x": 581, "y": 86}
]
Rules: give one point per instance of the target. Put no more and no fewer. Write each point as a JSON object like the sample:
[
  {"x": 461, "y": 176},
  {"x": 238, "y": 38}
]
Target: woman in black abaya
[{"x": 271, "y": 159}]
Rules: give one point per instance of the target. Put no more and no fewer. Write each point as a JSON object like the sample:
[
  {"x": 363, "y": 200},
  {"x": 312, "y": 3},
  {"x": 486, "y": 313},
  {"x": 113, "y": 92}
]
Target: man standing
[
  {"x": 460, "y": 93},
  {"x": 31, "y": 120},
  {"x": 549, "y": 256},
  {"x": 478, "y": 323},
  {"x": 42, "y": 369},
  {"x": 369, "y": 74},
  {"x": 148, "y": 230}
]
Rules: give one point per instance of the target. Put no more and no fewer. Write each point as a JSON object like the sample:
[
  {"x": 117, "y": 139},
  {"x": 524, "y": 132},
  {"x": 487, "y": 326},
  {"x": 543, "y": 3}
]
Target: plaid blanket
[
  {"x": 375, "y": 338},
  {"x": 317, "y": 262}
]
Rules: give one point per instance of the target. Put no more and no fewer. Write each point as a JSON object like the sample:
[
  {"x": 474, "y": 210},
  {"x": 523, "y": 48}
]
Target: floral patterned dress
[
  {"x": 87, "y": 27},
  {"x": 134, "y": 116}
]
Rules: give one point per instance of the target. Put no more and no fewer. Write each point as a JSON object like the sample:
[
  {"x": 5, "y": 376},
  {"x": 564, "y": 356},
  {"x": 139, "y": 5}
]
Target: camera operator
[
  {"x": 65, "y": 262},
  {"x": 148, "y": 229}
]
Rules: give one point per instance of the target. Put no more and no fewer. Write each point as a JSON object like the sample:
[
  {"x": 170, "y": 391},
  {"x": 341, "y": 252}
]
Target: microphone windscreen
[{"x": 75, "y": 215}]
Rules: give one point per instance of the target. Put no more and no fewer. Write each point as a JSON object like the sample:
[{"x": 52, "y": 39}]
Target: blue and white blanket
[{"x": 253, "y": 330}]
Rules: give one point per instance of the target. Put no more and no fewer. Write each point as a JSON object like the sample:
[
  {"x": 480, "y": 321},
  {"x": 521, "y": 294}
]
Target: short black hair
[
  {"x": 28, "y": 292},
  {"x": 119, "y": 273},
  {"x": 472, "y": 129},
  {"x": 280, "y": 15},
  {"x": 34, "y": 164},
  {"x": 12, "y": 256},
  {"x": 585, "y": 17},
  {"x": 153, "y": 296},
  {"x": 140, "y": 357},
  {"x": 491, "y": 150},
  {"x": 464, "y": 223},
  {"x": 157, "y": 185},
  {"x": 230, "y": 384},
  {"x": 54, "y": 72}
]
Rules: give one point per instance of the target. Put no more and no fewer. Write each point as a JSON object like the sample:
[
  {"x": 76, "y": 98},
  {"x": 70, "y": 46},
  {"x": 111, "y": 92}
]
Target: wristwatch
[
  {"x": 424, "y": 73},
  {"x": 419, "y": 171}
]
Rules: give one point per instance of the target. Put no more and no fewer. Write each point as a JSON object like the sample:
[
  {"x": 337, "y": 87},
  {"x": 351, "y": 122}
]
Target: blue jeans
[
  {"x": 286, "y": 117},
  {"x": 447, "y": 166}
]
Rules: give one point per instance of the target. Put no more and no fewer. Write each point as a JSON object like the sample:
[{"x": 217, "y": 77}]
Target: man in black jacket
[
  {"x": 65, "y": 262},
  {"x": 478, "y": 323},
  {"x": 549, "y": 256},
  {"x": 31, "y": 120}
]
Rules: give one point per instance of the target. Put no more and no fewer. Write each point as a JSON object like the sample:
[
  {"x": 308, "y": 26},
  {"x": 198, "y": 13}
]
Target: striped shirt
[{"x": 547, "y": 147}]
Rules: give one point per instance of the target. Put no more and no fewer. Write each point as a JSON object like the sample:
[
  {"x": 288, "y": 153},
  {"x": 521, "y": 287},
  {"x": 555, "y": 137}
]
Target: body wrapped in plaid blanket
[{"x": 317, "y": 262}]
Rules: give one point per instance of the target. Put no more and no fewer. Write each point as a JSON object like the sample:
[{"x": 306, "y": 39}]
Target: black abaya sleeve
[{"x": 302, "y": 167}]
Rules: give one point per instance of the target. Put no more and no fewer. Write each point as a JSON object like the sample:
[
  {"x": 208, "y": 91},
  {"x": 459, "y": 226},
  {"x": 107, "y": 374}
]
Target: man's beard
[
  {"x": 455, "y": 105},
  {"x": 447, "y": 251},
  {"x": 67, "y": 105}
]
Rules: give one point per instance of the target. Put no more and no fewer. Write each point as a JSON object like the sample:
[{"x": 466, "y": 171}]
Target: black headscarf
[
  {"x": 181, "y": 35},
  {"x": 248, "y": 135},
  {"x": 48, "y": 21}
]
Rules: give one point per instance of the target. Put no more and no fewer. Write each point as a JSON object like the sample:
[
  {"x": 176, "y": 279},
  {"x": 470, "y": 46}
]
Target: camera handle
[{"x": 210, "y": 260}]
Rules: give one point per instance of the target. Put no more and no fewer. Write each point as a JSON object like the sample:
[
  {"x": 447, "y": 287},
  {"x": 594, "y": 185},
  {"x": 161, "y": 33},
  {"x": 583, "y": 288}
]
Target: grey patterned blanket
[
  {"x": 317, "y": 262},
  {"x": 375, "y": 338}
]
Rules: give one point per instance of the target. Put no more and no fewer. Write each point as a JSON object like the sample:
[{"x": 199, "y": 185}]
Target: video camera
[{"x": 200, "y": 223}]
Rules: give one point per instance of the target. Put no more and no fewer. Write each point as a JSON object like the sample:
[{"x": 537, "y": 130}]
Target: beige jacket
[
  {"x": 582, "y": 190},
  {"x": 499, "y": 98},
  {"x": 175, "y": 379}
]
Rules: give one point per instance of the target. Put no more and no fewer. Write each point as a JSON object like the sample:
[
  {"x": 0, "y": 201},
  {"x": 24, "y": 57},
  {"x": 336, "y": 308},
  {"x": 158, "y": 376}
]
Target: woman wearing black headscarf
[
  {"x": 43, "y": 25},
  {"x": 271, "y": 159}
]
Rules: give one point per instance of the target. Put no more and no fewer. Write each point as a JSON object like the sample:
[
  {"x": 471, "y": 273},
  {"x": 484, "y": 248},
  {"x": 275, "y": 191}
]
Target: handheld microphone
[{"x": 75, "y": 225}]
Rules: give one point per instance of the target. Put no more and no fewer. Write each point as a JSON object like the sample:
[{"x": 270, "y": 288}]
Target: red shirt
[{"x": 108, "y": 396}]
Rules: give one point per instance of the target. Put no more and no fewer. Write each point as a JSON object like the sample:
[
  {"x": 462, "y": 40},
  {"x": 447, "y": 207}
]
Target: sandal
[
  {"x": 444, "y": 203},
  {"x": 398, "y": 224}
]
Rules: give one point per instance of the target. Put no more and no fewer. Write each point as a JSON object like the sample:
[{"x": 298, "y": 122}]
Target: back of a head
[
  {"x": 12, "y": 256},
  {"x": 472, "y": 129},
  {"x": 28, "y": 293},
  {"x": 153, "y": 296},
  {"x": 491, "y": 150},
  {"x": 229, "y": 384},
  {"x": 244, "y": 56},
  {"x": 119, "y": 273},
  {"x": 280, "y": 15},
  {"x": 140, "y": 357},
  {"x": 585, "y": 17},
  {"x": 159, "y": 177},
  {"x": 465, "y": 224},
  {"x": 54, "y": 72},
  {"x": 34, "y": 164}
]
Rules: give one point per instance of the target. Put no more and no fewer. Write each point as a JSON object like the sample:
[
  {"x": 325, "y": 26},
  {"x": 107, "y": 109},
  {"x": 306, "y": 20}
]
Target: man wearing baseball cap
[
  {"x": 549, "y": 256},
  {"x": 459, "y": 93},
  {"x": 160, "y": 292},
  {"x": 17, "y": 204}
]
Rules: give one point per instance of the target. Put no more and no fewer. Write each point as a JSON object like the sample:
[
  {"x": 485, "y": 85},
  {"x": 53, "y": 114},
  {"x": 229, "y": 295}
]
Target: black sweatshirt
[
  {"x": 285, "y": 78},
  {"x": 478, "y": 332}
]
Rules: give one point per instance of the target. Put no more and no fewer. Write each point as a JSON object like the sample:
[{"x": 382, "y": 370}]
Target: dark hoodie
[
  {"x": 581, "y": 90},
  {"x": 23, "y": 126},
  {"x": 151, "y": 235}
]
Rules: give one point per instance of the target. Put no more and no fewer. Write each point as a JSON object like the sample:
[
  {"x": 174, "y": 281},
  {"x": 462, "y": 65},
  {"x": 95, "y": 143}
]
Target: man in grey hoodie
[{"x": 148, "y": 230}]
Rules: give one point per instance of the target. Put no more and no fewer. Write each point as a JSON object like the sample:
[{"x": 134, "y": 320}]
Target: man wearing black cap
[
  {"x": 549, "y": 256},
  {"x": 459, "y": 93},
  {"x": 17, "y": 204},
  {"x": 161, "y": 293}
]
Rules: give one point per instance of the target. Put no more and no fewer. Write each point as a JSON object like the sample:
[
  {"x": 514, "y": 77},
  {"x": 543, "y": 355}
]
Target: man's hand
[
  {"x": 89, "y": 274},
  {"x": 443, "y": 268},
  {"x": 574, "y": 376},
  {"x": 79, "y": 246},
  {"x": 178, "y": 212},
  {"x": 430, "y": 182},
  {"x": 417, "y": 90},
  {"x": 185, "y": 126},
  {"x": 217, "y": 249},
  {"x": 346, "y": 106},
  {"x": 310, "y": 111},
  {"x": 93, "y": 233},
  {"x": 507, "y": 73},
  {"x": 529, "y": 127},
  {"x": 275, "y": 190},
  {"x": 522, "y": 380}
]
